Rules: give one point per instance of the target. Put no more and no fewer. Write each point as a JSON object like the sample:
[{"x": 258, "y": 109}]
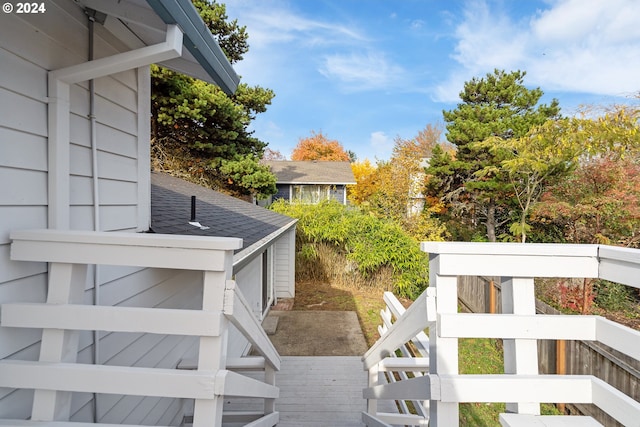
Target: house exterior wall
[
  {"x": 30, "y": 46},
  {"x": 284, "y": 260},
  {"x": 161, "y": 288}
]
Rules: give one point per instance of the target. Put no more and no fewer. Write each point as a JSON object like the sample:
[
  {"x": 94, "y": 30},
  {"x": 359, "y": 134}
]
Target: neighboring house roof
[
  {"x": 311, "y": 172},
  {"x": 225, "y": 216},
  {"x": 137, "y": 23}
]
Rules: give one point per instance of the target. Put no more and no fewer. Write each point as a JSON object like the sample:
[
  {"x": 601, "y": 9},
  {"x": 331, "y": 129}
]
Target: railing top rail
[
  {"x": 613, "y": 263},
  {"x": 121, "y": 248},
  {"x": 619, "y": 253},
  {"x": 128, "y": 239},
  {"x": 489, "y": 248}
]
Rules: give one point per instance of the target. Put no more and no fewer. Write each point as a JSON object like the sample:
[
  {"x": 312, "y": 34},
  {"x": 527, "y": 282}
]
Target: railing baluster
[
  {"x": 520, "y": 355},
  {"x": 213, "y": 350},
  {"x": 66, "y": 286},
  {"x": 443, "y": 352}
]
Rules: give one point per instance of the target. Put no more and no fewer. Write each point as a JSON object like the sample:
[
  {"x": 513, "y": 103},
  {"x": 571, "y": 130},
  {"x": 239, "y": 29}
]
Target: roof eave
[
  {"x": 198, "y": 40},
  {"x": 246, "y": 255}
]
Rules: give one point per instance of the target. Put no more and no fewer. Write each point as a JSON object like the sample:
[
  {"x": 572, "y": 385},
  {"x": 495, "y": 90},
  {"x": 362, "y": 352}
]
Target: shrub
[
  {"x": 613, "y": 296},
  {"x": 369, "y": 244}
]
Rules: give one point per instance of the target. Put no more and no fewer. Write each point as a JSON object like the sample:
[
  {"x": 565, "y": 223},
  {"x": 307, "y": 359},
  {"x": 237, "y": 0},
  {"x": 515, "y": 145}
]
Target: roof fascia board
[
  {"x": 246, "y": 255},
  {"x": 128, "y": 12},
  {"x": 198, "y": 40}
]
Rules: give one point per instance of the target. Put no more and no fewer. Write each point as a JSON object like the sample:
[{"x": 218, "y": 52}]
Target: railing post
[
  {"x": 66, "y": 286},
  {"x": 520, "y": 355},
  {"x": 374, "y": 380},
  {"x": 443, "y": 352},
  {"x": 269, "y": 378},
  {"x": 213, "y": 350}
]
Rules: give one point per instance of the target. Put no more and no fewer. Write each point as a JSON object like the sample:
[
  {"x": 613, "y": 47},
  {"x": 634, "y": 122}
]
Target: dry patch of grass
[{"x": 322, "y": 295}]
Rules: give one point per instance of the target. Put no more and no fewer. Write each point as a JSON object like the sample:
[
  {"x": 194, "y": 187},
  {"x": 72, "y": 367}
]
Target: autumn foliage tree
[
  {"x": 319, "y": 147},
  {"x": 392, "y": 188},
  {"x": 549, "y": 153},
  {"x": 599, "y": 203},
  {"x": 365, "y": 174}
]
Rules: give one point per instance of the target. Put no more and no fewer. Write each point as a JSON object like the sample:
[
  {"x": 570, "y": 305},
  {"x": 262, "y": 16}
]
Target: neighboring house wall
[
  {"x": 311, "y": 181},
  {"x": 339, "y": 193},
  {"x": 311, "y": 193},
  {"x": 284, "y": 192}
]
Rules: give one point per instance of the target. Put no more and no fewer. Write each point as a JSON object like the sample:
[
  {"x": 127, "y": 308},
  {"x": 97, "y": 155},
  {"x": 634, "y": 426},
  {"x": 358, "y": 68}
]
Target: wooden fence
[{"x": 479, "y": 294}]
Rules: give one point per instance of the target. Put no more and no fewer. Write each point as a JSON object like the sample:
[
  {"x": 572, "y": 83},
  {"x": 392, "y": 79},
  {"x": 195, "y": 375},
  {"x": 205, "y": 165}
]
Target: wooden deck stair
[{"x": 317, "y": 391}]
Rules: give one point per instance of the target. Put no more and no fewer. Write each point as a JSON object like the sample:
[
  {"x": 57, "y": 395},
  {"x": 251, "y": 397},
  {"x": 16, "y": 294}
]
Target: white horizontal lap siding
[
  {"x": 284, "y": 260},
  {"x": 249, "y": 281},
  {"x": 118, "y": 166},
  {"x": 23, "y": 189},
  {"x": 30, "y": 46},
  {"x": 23, "y": 144},
  {"x": 157, "y": 288}
]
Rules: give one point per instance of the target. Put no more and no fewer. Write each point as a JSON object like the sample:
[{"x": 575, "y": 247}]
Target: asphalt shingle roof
[
  {"x": 311, "y": 172},
  {"x": 225, "y": 216}
]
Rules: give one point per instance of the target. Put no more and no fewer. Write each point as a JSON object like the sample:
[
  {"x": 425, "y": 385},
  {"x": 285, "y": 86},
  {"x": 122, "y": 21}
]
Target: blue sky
[{"x": 365, "y": 72}]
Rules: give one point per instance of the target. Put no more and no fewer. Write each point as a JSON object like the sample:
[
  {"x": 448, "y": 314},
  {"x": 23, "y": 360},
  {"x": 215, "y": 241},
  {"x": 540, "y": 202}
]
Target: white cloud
[
  {"x": 381, "y": 145},
  {"x": 358, "y": 71},
  {"x": 271, "y": 22},
  {"x": 588, "y": 46},
  {"x": 584, "y": 46},
  {"x": 416, "y": 24},
  {"x": 487, "y": 39}
]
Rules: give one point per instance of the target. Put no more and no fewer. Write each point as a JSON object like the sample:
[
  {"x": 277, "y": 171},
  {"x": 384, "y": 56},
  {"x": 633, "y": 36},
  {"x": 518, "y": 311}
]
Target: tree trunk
[{"x": 491, "y": 221}]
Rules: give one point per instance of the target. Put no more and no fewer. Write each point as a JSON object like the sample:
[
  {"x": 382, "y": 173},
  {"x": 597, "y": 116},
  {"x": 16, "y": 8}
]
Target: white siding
[
  {"x": 249, "y": 281},
  {"x": 285, "y": 264},
  {"x": 141, "y": 288},
  {"x": 30, "y": 46}
]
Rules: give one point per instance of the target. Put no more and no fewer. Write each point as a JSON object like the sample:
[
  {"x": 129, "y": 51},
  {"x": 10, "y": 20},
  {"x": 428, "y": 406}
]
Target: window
[{"x": 311, "y": 194}]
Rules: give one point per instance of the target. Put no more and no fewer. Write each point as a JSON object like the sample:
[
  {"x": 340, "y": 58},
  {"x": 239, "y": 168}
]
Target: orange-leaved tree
[{"x": 319, "y": 147}]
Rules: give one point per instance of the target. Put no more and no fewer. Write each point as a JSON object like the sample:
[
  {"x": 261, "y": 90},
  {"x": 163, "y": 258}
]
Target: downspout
[{"x": 96, "y": 198}]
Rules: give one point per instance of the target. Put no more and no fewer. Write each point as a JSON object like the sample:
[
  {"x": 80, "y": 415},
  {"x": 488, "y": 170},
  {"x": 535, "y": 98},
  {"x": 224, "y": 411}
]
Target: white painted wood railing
[
  {"x": 398, "y": 357},
  {"x": 521, "y": 387},
  {"x": 56, "y": 375}
]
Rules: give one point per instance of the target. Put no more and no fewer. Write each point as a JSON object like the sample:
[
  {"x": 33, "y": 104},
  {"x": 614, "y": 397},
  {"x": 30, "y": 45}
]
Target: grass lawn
[{"x": 475, "y": 355}]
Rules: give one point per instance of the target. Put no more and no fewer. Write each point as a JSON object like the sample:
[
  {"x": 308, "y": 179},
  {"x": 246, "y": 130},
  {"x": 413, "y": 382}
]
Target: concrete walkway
[{"x": 316, "y": 333}]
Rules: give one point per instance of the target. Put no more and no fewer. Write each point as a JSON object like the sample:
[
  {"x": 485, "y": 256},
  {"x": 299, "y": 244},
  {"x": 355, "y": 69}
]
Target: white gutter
[
  {"x": 246, "y": 255},
  {"x": 59, "y": 111}
]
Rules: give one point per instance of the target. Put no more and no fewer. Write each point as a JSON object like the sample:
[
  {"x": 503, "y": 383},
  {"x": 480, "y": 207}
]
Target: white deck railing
[
  {"x": 521, "y": 387},
  {"x": 210, "y": 378},
  {"x": 397, "y": 357}
]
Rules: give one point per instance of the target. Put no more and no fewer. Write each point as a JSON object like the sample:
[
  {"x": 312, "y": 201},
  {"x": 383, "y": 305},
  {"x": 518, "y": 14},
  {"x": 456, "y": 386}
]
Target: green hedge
[{"x": 369, "y": 242}]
